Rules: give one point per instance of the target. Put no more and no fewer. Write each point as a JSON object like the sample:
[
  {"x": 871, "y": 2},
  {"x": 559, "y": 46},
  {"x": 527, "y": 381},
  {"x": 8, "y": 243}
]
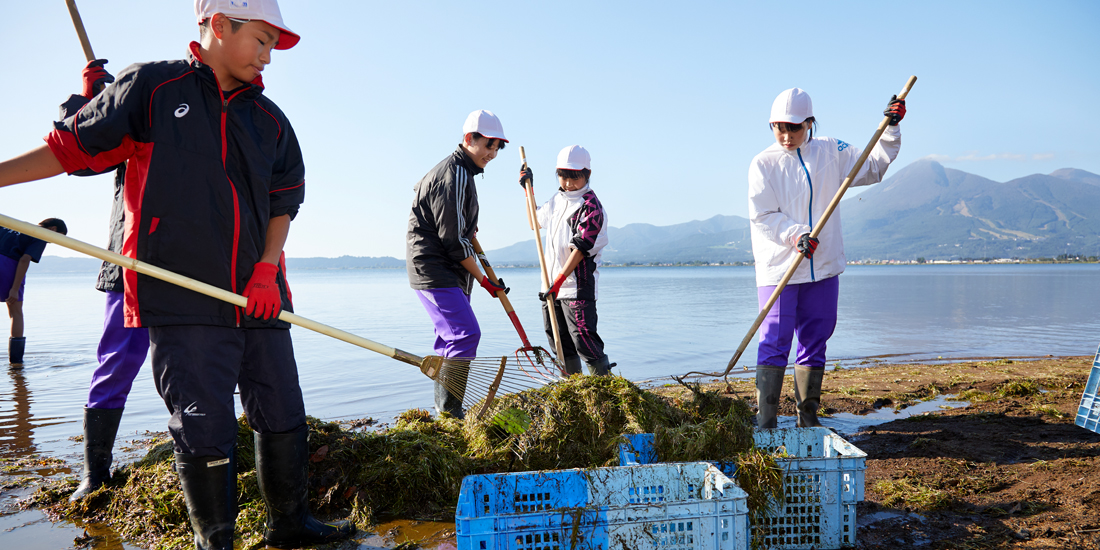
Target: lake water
[{"x": 656, "y": 321}]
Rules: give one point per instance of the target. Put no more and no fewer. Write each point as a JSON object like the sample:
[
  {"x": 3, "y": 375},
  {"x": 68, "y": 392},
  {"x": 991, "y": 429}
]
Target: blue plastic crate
[
  {"x": 1088, "y": 412},
  {"x": 687, "y": 506},
  {"x": 822, "y": 485}
]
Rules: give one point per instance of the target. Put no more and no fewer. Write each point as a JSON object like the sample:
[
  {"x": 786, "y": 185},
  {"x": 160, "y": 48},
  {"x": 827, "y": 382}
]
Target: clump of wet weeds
[
  {"x": 1018, "y": 388},
  {"x": 911, "y": 494},
  {"x": 575, "y": 423}
]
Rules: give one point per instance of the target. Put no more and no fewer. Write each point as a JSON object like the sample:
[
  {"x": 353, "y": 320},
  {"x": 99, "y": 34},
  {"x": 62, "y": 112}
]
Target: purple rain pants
[
  {"x": 121, "y": 353},
  {"x": 8, "y": 267},
  {"x": 808, "y": 310},
  {"x": 456, "y": 330}
]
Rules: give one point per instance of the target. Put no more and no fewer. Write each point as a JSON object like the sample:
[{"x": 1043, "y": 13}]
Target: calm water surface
[{"x": 656, "y": 322}]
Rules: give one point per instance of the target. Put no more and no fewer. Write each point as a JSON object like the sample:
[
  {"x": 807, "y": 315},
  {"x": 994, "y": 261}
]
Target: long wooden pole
[
  {"x": 504, "y": 301},
  {"x": 816, "y": 231},
  {"x": 80, "y": 32},
  {"x": 532, "y": 216},
  {"x": 132, "y": 264}
]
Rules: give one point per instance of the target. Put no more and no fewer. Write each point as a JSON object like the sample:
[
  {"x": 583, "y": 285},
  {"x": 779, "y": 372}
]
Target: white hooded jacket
[
  {"x": 574, "y": 220},
  {"x": 788, "y": 194}
]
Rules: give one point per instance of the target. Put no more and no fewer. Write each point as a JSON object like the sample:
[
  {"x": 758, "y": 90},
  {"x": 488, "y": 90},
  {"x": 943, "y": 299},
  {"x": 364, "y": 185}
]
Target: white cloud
[{"x": 974, "y": 156}]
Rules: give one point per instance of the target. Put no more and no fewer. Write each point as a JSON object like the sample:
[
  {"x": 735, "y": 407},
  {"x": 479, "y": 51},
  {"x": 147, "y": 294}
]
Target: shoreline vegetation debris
[{"x": 414, "y": 469}]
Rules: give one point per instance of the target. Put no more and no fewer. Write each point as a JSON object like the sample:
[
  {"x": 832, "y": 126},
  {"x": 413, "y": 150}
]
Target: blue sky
[{"x": 671, "y": 99}]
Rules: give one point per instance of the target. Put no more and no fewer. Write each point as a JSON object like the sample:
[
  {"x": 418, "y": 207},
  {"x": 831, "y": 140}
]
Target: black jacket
[
  {"x": 205, "y": 173},
  {"x": 110, "y": 275},
  {"x": 442, "y": 223}
]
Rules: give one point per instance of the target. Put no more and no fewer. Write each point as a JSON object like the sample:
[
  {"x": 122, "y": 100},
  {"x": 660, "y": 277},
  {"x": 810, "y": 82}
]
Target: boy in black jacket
[
  {"x": 439, "y": 255},
  {"x": 214, "y": 176}
]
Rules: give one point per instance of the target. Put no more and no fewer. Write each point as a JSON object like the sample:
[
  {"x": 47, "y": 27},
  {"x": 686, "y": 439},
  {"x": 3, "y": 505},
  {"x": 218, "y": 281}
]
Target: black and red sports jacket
[{"x": 205, "y": 171}]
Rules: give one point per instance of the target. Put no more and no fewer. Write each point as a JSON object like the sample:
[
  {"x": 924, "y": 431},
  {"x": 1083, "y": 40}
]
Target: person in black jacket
[
  {"x": 214, "y": 175},
  {"x": 17, "y": 251},
  {"x": 121, "y": 350},
  {"x": 439, "y": 255}
]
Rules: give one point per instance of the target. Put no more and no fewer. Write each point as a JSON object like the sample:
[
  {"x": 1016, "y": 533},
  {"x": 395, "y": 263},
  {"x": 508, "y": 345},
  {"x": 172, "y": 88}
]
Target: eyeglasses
[{"x": 788, "y": 126}]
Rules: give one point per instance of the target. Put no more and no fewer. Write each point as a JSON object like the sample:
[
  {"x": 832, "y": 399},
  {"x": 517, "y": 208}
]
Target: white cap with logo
[
  {"x": 485, "y": 123},
  {"x": 574, "y": 157},
  {"x": 252, "y": 10},
  {"x": 792, "y": 106}
]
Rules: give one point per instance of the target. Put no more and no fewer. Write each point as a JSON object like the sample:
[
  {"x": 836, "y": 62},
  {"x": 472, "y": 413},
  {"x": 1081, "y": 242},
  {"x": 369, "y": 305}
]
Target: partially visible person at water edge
[
  {"x": 17, "y": 251},
  {"x": 439, "y": 254},
  {"x": 791, "y": 183},
  {"x": 576, "y": 234},
  {"x": 121, "y": 350},
  {"x": 214, "y": 177}
]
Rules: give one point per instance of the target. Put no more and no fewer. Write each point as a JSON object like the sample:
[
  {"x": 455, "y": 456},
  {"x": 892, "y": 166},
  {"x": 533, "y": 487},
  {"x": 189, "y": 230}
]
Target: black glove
[
  {"x": 525, "y": 177},
  {"x": 895, "y": 109},
  {"x": 807, "y": 245}
]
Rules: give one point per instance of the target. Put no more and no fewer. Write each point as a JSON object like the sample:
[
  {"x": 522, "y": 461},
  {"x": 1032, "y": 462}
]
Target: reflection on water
[{"x": 16, "y": 429}]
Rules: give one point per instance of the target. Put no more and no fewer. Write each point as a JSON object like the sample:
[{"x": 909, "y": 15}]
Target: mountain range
[{"x": 923, "y": 210}]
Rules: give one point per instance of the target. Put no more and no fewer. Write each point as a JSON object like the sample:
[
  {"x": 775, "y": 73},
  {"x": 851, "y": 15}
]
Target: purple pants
[
  {"x": 7, "y": 277},
  {"x": 121, "y": 353},
  {"x": 456, "y": 330},
  {"x": 808, "y": 310}
]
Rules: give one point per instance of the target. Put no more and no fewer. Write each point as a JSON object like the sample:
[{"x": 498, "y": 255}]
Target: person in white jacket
[
  {"x": 790, "y": 185},
  {"x": 576, "y": 233}
]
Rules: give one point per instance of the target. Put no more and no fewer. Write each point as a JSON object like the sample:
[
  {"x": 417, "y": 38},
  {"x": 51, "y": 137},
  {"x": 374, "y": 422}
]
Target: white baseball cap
[
  {"x": 252, "y": 10},
  {"x": 574, "y": 157},
  {"x": 485, "y": 123},
  {"x": 792, "y": 106}
]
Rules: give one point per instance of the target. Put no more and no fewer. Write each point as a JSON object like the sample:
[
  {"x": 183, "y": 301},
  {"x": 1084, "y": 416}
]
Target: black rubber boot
[
  {"x": 15, "y": 350},
  {"x": 100, "y": 427},
  {"x": 601, "y": 367},
  {"x": 807, "y": 395},
  {"x": 210, "y": 489},
  {"x": 281, "y": 470},
  {"x": 769, "y": 386},
  {"x": 453, "y": 374},
  {"x": 573, "y": 365}
]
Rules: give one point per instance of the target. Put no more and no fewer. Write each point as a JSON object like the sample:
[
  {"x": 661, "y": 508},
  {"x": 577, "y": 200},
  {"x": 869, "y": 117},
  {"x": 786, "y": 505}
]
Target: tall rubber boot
[
  {"x": 15, "y": 350},
  {"x": 601, "y": 367},
  {"x": 210, "y": 489},
  {"x": 100, "y": 427},
  {"x": 573, "y": 365},
  {"x": 769, "y": 386},
  {"x": 807, "y": 395},
  {"x": 281, "y": 470},
  {"x": 453, "y": 374}
]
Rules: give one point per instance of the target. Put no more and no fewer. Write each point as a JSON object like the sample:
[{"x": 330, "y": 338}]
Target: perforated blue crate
[
  {"x": 1088, "y": 412},
  {"x": 686, "y": 506},
  {"x": 823, "y": 481}
]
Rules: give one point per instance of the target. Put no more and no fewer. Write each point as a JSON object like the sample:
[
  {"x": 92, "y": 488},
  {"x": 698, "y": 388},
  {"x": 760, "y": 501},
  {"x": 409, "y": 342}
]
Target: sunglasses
[{"x": 788, "y": 126}]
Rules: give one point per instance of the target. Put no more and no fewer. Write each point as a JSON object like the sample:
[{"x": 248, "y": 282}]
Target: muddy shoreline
[{"x": 1008, "y": 470}]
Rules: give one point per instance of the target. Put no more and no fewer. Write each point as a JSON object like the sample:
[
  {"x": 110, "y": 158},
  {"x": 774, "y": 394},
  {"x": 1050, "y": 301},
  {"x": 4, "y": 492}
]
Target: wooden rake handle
[
  {"x": 532, "y": 216},
  {"x": 815, "y": 232},
  {"x": 47, "y": 235},
  {"x": 489, "y": 271},
  {"x": 80, "y": 32}
]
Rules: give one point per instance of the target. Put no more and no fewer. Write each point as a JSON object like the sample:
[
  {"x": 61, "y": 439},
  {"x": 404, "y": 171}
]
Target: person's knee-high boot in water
[
  {"x": 210, "y": 489},
  {"x": 100, "y": 428},
  {"x": 807, "y": 394},
  {"x": 769, "y": 386},
  {"x": 15, "y": 350},
  {"x": 281, "y": 469}
]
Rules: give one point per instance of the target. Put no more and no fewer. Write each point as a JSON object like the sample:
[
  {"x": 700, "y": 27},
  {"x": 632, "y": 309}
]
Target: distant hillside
[
  {"x": 721, "y": 238},
  {"x": 345, "y": 262},
  {"x": 926, "y": 210}
]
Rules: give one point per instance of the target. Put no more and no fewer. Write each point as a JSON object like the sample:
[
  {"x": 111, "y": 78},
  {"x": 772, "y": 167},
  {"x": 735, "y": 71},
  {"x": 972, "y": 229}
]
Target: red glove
[
  {"x": 895, "y": 109},
  {"x": 807, "y": 245},
  {"x": 264, "y": 300},
  {"x": 488, "y": 285},
  {"x": 554, "y": 288},
  {"x": 94, "y": 78}
]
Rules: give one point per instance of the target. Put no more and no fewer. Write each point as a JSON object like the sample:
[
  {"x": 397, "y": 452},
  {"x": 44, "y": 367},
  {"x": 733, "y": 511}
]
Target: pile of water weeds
[{"x": 415, "y": 468}]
